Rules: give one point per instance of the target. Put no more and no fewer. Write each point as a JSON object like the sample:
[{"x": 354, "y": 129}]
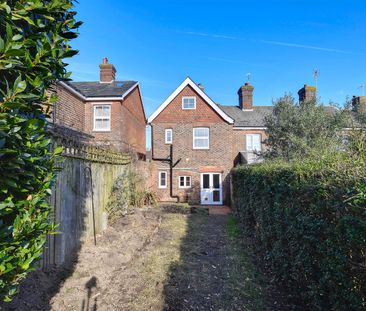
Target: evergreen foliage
[{"x": 34, "y": 39}]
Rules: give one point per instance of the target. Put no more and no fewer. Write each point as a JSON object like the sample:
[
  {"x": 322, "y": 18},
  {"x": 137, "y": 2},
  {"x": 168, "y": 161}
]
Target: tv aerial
[{"x": 315, "y": 76}]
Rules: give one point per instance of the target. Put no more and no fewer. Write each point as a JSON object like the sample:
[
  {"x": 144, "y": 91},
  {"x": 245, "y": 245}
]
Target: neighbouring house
[
  {"x": 111, "y": 112},
  {"x": 195, "y": 142}
]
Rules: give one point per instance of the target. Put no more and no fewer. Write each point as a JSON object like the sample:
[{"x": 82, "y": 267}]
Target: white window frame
[
  {"x": 201, "y": 137},
  {"x": 185, "y": 178},
  {"x": 95, "y": 129},
  {"x": 260, "y": 142},
  {"x": 166, "y": 136},
  {"x": 166, "y": 180},
  {"x": 189, "y": 97}
]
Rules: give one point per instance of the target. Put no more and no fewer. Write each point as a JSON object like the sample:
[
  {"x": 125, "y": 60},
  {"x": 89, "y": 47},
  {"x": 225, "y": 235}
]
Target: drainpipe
[{"x": 169, "y": 160}]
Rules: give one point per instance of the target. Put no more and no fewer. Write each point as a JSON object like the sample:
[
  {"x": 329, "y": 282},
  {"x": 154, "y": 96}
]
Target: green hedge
[
  {"x": 34, "y": 41},
  {"x": 308, "y": 222}
]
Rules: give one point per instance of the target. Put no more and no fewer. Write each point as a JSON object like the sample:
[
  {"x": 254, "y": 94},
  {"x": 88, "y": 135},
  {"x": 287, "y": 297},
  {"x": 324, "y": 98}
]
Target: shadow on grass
[{"x": 213, "y": 273}]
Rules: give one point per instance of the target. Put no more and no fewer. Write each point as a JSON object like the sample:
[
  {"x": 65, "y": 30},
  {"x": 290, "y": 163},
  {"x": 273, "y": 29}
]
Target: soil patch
[{"x": 157, "y": 259}]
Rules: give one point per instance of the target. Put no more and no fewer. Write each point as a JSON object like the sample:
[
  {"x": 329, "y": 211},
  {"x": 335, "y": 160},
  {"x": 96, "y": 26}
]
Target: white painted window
[
  {"x": 168, "y": 136},
  {"x": 185, "y": 182},
  {"x": 201, "y": 138},
  {"x": 102, "y": 118},
  {"x": 254, "y": 142},
  {"x": 188, "y": 102},
  {"x": 163, "y": 180}
]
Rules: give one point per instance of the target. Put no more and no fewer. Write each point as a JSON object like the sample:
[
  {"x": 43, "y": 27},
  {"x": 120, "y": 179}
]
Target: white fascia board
[
  {"x": 113, "y": 98},
  {"x": 186, "y": 82},
  {"x": 249, "y": 128}
]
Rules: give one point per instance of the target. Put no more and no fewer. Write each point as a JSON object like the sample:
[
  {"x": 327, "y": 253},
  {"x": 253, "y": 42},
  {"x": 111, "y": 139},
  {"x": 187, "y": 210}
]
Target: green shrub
[
  {"x": 33, "y": 43},
  {"x": 296, "y": 130},
  {"x": 308, "y": 221},
  {"x": 129, "y": 192}
]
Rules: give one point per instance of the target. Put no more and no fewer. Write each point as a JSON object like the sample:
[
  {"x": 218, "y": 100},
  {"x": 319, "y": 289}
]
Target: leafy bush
[
  {"x": 138, "y": 194},
  {"x": 33, "y": 43},
  {"x": 307, "y": 129},
  {"x": 128, "y": 192},
  {"x": 118, "y": 204},
  {"x": 308, "y": 221}
]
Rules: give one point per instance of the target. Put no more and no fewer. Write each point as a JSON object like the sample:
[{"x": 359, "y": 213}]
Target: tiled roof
[
  {"x": 97, "y": 89},
  {"x": 257, "y": 116},
  {"x": 254, "y": 118}
]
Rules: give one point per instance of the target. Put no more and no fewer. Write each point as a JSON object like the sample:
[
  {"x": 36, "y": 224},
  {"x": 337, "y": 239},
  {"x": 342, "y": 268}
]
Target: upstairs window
[
  {"x": 201, "y": 138},
  {"x": 184, "y": 181},
  {"x": 254, "y": 142},
  {"x": 102, "y": 118},
  {"x": 189, "y": 102},
  {"x": 168, "y": 136}
]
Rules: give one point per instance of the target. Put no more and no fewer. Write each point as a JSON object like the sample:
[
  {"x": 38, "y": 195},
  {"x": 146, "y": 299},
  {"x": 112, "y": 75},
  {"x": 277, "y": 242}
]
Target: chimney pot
[{"x": 107, "y": 71}]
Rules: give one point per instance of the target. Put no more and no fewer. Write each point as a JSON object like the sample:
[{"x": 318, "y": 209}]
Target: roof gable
[{"x": 208, "y": 100}]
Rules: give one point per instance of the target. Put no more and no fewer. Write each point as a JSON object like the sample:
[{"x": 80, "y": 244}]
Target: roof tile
[{"x": 97, "y": 89}]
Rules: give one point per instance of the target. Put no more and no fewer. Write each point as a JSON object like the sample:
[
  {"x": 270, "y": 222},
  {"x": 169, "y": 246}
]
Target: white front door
[{"x": 211, "y": 189}]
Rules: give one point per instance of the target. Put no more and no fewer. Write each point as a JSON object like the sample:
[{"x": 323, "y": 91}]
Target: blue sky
[{"x": 217, "y": 43}]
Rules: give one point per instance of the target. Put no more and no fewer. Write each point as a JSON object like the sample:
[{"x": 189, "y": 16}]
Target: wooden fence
[{"x": 80, "y": 195}]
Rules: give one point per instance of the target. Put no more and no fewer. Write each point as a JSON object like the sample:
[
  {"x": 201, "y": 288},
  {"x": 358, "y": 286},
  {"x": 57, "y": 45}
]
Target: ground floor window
[
  {"x": 184, "y": 181},
  {"x": 162, "y": 179}
]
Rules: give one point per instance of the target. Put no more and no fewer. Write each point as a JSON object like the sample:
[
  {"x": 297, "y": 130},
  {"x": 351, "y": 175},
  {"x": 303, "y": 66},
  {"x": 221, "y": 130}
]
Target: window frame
[
  {"x": 185, "y": 178},
  {"x": 189, "y": 97},
  {"x": 109, "y": 118},
  {"x": 260, "y": 142},
  {"x": 166, "y": 140},
  {"x": 201, "y": 137},
  {"x": 160, "y": 186}
]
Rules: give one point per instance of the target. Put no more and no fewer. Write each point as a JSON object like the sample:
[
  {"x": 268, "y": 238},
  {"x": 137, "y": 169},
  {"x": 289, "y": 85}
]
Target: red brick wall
[
  {"x": 113, "y": 138},
  {"x": 134, "y": 121},
  {"x": 69, "y": 110},
  {"x": 193, "y": 161},
  {"x": 128, "y": 124},
  {"x": 239, "y": 140}
]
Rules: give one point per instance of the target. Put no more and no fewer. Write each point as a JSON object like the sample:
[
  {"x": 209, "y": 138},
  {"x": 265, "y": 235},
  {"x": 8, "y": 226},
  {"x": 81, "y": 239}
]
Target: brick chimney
[
  {"x": 246, "y": 96},
  {"x": 107, "y": 72},
  {"x": 307, "y": 93},
  {"x": 359, "y": 104}
]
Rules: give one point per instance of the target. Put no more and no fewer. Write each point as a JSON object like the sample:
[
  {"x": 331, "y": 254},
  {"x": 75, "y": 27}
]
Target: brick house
[
  {"x": 203, "y": 140},
  {"x": 110, "y": 112}
]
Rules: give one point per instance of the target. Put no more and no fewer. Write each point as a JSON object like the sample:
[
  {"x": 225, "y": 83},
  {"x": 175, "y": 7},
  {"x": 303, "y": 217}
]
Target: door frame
[{"x": 211, "y": 202}]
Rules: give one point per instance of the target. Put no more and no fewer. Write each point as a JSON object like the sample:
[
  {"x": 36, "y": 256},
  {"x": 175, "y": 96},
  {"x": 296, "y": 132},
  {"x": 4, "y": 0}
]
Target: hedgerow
[
  {"x": 308, "y": 221},
  {"x": 34, "y": 39}
]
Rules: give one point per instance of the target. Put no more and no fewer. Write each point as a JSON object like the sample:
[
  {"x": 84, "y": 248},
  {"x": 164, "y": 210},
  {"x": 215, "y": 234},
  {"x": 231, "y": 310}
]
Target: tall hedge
[
  {"x": 308, "y": 222},
  {"x": 34, "y": 39}
]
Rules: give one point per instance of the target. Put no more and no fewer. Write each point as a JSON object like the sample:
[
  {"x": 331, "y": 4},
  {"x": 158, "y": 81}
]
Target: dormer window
[{"x": 189, "y": 103}]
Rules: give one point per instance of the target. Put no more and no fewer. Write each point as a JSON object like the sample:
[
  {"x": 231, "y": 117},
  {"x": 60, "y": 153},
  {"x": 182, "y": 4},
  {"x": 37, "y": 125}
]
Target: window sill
[{"x": 102, "y": 131}]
